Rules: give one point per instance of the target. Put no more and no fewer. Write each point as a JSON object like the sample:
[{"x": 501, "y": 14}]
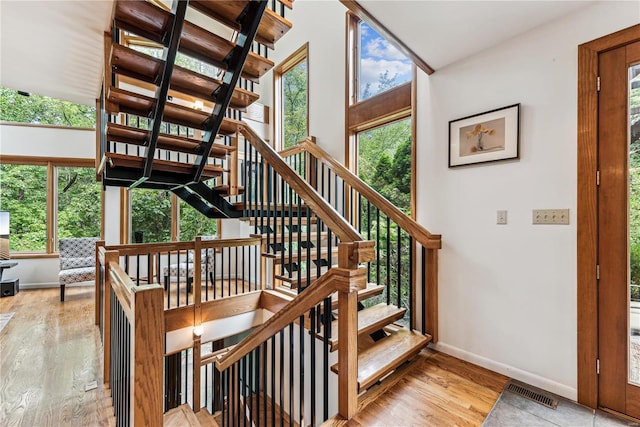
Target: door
[{"x": 619, "y": 230}]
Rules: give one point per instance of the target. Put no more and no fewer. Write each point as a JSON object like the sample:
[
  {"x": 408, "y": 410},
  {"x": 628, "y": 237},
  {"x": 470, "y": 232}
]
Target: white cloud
[
  {"x": 381, "y": 48},
  {"x": 370, "y": 70}
]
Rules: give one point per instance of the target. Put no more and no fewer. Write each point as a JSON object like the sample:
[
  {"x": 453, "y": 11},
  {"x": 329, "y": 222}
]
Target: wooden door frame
[{"x": 587, "y": 241}]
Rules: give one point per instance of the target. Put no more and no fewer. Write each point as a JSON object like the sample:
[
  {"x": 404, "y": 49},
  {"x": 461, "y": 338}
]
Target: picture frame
[{"x": 486, "y": 137}]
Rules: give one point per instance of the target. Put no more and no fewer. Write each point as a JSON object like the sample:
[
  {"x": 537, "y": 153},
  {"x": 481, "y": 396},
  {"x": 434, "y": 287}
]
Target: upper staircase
[{"x": 344, "y": 264}]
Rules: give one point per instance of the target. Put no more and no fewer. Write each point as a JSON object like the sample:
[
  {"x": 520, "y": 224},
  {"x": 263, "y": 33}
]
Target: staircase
[{"x": 169, "y": 127}]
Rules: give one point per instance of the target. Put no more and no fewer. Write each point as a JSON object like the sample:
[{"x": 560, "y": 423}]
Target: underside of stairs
[{"x": 169, "y": 127}]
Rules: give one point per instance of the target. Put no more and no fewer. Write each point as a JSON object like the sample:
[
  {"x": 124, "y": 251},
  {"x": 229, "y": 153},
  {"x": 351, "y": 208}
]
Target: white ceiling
[
  {"x": 443, "y": 32},
  {"x": 55, "y": 48}
]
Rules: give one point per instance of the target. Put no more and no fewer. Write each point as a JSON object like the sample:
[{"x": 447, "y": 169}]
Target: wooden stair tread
[
  {"x": 304, "y": 255},
  {"x": 119, "y": 160},
  {"x": 125, "y": 101},
  {"x": 386, "y": 355},
  {"x": 131, "y": 63},
  {"x": 370, "y": 320},
  {"x": 223, "y": 189},
  {"x": 181, "y": 416},
  {"x": 137, "y": 136},
  {"x": 150, "y": 21},
  {"x": 370, "y": 291},
  {"x": 271, "y": 28},
  {"x": 206, "y": 419},
  {"x": 257, "y": 403}
]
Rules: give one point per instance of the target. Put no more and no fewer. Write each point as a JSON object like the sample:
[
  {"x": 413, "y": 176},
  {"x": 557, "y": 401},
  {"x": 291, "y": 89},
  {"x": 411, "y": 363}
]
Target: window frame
[
  {"x": 392, "y": 105},
  {"x": 293, "y": 60},
  {"x": 51, "y": 209}
]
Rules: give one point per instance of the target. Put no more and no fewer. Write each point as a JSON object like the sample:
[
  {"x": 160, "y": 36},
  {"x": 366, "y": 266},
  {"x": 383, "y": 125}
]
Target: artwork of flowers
[{"x": 485, "y": 137}]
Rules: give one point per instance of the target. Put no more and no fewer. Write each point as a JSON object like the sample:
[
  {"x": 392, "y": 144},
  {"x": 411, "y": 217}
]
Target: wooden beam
[
  {"x": 387, "y": 107},
  {"x": 360, "y": 11}
]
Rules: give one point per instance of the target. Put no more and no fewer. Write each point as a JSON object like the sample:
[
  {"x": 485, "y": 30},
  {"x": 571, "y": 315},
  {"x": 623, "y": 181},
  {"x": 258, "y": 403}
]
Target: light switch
[
  {"x": 501, "y": 217},
  {"x": 550, "y": 216}
]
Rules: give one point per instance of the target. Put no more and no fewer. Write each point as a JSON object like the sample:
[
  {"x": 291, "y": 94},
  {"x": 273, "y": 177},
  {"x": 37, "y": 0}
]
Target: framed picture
[{"x": 485, "y": 137}]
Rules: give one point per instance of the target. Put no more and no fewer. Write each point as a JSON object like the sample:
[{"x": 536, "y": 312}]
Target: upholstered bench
[{"x": 77, "y": 261}]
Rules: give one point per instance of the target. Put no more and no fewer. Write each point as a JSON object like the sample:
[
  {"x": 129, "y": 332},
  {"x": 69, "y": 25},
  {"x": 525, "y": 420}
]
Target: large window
[
  {"x": 23, "y": 107},
  {"x": 380, "y": 66},
  {"x": 160, "y": 216},
  {"x": 150, "y": 215},
  {"x": 48, "y": 200},
  {"x": 384, "y": 161},
  {"x": 78, "y": 202},
  {"x": 380, "y": 114},
  {"x": 292, "y": 99}
]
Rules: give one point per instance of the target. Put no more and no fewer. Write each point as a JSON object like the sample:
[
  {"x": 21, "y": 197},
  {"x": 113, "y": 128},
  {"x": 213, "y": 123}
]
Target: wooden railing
[
  {"x": 377, "y": 218},
  {"x": 133, "y": 343},
  {"x": 347, "y": 279}
]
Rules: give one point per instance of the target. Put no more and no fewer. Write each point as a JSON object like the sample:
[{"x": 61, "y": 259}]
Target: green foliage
[
  {"x": 78, "y": 202},
  {"x": 23, "y": 192},
  {"x": 150, "y": 215},
  {"x": 193, "y": 223},
  {"x": 294, "y": 98},
  {"x": 44, "y": 110},
  {"x": 384, "y": 161}
]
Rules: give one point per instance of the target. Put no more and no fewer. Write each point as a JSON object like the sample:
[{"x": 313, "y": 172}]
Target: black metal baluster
[
  {"x": 388, "y": 282},
  {"x": 411, "y": 301}
]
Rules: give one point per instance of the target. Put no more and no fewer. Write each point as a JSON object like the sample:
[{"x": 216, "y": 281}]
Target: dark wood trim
[
  {"x": 386, "y": 107},
  {"x": 587, "y": 215},
  {"x": 360, "y": 11}
]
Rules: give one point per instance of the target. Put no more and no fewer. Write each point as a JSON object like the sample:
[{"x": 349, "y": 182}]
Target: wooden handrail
[
  {"x": 144, "y": 248},
  {"x": 336, "y": 279},
  {"x": 311, "y": 197},
  {"x": 312, "y": 296},
  {"x": 417, "y": 231}
]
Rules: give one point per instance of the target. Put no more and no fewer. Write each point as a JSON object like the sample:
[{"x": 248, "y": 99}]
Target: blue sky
[{"x": 378, "y": 55}]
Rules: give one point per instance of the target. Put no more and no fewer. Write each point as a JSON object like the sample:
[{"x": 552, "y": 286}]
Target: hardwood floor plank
[{"x": 49, "y": 351}]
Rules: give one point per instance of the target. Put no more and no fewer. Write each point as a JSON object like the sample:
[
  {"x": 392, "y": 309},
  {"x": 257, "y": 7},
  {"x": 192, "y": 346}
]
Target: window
[
  {"x": 78, "y": 202},
  {"x": 291, "y": 99},
  {"x": 384, "y": 161},
  {"x": 380, "y": 66},
  {"x": 24, "y": 194},
  {"x": 380, "y": 114},
  {"x": 150, "y": 215},
  {"x": 49, "y": 200},
  {"x": 192, "y": 223},
  {"x": 28, "y": 108}
]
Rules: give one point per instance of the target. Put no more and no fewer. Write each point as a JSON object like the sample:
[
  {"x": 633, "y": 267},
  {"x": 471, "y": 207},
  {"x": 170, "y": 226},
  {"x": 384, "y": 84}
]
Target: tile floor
[{"x": 514, "y": 410}]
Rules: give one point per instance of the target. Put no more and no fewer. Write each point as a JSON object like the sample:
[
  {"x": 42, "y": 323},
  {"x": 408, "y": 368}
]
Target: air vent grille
[{"x": 530, "y": 394}]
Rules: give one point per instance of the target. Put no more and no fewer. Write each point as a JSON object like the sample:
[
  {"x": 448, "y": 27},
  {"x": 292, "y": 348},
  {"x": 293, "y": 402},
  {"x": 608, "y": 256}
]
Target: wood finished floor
[
  {"x": 434, "y": 390},
  {"x": 49, "y": 351}
]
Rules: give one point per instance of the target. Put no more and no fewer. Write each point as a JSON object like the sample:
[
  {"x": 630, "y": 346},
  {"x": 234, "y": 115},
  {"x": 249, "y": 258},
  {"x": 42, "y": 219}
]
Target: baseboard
[
  {"x": 501, "y": 368},
  {"x": 49, "y": 285}
]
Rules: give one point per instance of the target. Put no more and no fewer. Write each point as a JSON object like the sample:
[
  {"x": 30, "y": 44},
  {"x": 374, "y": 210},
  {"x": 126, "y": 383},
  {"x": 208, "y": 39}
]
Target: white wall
[
  {"x": 507, "y": 293},
  {"x": 43, "y": 141}
]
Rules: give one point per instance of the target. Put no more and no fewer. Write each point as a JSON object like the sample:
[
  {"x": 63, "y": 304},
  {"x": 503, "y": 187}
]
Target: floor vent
[{"x": 530, "y": 394}]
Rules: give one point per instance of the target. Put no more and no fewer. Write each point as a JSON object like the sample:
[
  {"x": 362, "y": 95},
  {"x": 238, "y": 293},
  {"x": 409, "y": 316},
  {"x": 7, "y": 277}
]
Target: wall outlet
[
  {"x": 550, "y": 216},
  {"x": 501, "y": 217}
]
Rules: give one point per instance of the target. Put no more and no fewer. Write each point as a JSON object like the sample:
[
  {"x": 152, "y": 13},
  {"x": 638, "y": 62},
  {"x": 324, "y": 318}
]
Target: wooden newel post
[
  {"x": 109, "y": 257},
  {"x": 99, "y": 245},
  {"x": 147, "y": 353},
  {"x": 431, "y": 293},
  {"x": 350, "y": 279}
]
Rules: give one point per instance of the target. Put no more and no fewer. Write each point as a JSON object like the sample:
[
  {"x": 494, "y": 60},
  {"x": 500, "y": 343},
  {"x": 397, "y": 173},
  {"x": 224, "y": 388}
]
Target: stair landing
[{"x": 183, "y": 416}]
